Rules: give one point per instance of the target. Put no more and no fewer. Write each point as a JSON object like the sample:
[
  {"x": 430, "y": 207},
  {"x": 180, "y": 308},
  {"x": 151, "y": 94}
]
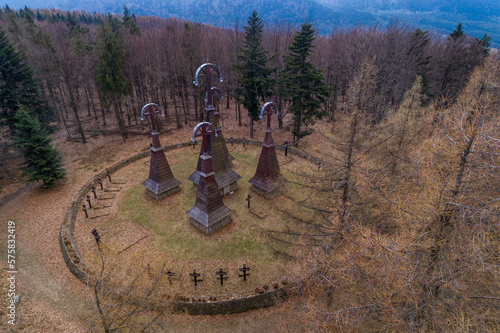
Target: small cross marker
[
  {"x": 244, "y": 269},
  {"x": 195, "y": 277},
  {"x": 221, "y": 274}
]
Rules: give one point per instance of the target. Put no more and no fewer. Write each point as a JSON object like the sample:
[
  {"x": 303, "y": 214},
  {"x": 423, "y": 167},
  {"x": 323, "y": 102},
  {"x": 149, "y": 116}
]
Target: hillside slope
[{"x": 478, "y": 17}]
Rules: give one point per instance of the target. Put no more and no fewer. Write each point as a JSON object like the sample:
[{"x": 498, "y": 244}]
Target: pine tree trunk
[
  {"x": 196, "y": 106},
  {"x": 88, "y": 101},
  {"x": 119, "y": 119},
  {"x": 91, "y": 95},
  {"x": 74, "y": 107},
  {"x": 186, "y": 96},
  {"x": 103, "y": 116},
  {"x": 62, "y": 100},
  {"x": 184, "y": 108},
  {"x": 239, "y": 114},
  {"x": 280, "y": 115},
  {"x": 177, "y": 115}
]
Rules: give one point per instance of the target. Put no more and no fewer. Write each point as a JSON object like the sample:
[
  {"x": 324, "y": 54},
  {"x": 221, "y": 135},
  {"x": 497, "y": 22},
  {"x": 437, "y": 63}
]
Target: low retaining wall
[
  {"x": 236, "y": 305},
  {"x": 82, "y": 270}
]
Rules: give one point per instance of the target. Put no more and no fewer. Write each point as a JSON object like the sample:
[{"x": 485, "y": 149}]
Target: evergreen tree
[
  {"x": 302, "y": 84},
  {"x": 42, "y": 161},
  {"x": 485, "y": 43},
  {"x": 458, "y": 32},
  {"x": 129, "y": 22},
  {"x": 111, "y": 82},
  {"x": 18, "y": 86},
  {"x": 254, "y": 81}
]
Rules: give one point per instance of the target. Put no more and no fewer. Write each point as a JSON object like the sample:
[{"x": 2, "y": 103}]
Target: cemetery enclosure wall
[{"x": 81, "y": 270}]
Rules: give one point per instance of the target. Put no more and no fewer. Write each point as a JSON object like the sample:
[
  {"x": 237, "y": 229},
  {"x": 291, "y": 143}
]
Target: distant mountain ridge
[{"x": 478, "y": 17}]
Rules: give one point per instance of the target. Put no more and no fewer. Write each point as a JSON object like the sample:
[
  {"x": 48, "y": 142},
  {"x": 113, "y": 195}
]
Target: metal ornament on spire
[
  {"x": 215, "y": 145},
  {"x": 204, "y": 131},
  {"x": 152, "y": 110},
  {"x": 268, "y": 109},
  {"x": 207, "y": 69},
  {"x": 217, "y": 91}
]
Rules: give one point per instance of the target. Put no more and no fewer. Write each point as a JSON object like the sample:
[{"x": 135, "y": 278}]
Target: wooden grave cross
[
  {"x": 221, "y": 274},
  {"x": 244, "y": 269},
  {"x": 195, "y": 277},
  {"x": 96, "y": 235},
  {"x": 88, "y": 200},
  {"x": 84, "y": 208},
  {"x": 249, "y": 198}
]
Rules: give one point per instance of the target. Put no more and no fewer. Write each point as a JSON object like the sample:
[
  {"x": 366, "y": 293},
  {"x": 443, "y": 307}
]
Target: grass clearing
[{"x": 175, "y": 240}]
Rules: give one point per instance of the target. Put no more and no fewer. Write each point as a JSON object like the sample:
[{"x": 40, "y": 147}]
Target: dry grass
[{"x": 169, "y": 237}]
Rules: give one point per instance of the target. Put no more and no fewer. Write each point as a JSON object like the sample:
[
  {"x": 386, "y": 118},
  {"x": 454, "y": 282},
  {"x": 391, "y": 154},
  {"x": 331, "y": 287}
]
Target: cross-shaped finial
[
  {"x": 268, "y": 109},
  {"x": 207, "y": 69},
  {"x": 205, "y": 129},
  {"x": 151, "y": 110}
]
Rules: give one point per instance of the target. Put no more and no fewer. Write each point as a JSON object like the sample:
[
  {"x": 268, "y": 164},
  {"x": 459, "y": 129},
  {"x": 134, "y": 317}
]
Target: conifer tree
[
  {"x": 42, "y": 161},
  {"x": 458, "y": 32},
  {"x": 129, "y": 21},
  {"x": 18, "y": 86},
  {"x": 111, "y": 82},
  {"x": 485, "y": 43},
  {"x": 254, "y": 81},
  {"x": 302, "y": 84}
]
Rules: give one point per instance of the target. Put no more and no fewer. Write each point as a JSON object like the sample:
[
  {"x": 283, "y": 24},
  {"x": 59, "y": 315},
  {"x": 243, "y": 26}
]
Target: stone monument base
[
  {"x": 210, "y": 223},
  {"x": 163, "y": 195},
  {"x": 269, "y": 195},
  {"x": 214, "y": 227}
]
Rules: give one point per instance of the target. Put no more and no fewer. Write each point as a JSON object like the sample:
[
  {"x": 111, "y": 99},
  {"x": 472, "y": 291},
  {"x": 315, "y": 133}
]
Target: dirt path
[{"x": 52, "y": 299}]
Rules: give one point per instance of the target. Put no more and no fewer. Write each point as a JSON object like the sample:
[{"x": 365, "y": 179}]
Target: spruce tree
[
  {"x": 111, "y": 82},
  {"x": 458, "y": 32},
  {"x": 129, "y": 21},
  {"x": 42, "y": 161},
  {"x": 485, "y": 43},
  {"x": 18, "y": 86},
  {"x": 302, "y": 84},
  {"x": 254, "y": 81}
]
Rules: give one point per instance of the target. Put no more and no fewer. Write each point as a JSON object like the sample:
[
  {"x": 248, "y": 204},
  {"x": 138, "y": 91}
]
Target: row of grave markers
[
  {"x": 88, "y": 199},
  {"x": 220, "y": 273}
]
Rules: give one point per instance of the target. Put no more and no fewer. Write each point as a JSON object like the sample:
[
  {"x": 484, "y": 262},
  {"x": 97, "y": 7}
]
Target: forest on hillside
[
  {"x": 160, "y": 59},
  {"x": 402, "y": 232}
]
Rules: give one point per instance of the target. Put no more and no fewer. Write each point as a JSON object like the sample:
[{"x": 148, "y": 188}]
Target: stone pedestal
[
  {"x": 209, "y": 213},
  {"x": 225, "y": 176},
  {"x": 161, "y": 182},
  {"x": 268, "y": 180}
]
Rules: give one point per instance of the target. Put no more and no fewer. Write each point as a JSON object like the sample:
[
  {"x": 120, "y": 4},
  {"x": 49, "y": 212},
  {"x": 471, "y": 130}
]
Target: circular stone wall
[{"x": 199, "y": 304}]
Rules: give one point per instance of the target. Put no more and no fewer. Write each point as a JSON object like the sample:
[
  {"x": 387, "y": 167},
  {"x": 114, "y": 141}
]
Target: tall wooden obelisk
[
  {"x": 268, "y": 180},
  {"x": 161, "y": 182},
  {"x": 225, "y": 176},
  {"x": 209, "y": 213}
]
